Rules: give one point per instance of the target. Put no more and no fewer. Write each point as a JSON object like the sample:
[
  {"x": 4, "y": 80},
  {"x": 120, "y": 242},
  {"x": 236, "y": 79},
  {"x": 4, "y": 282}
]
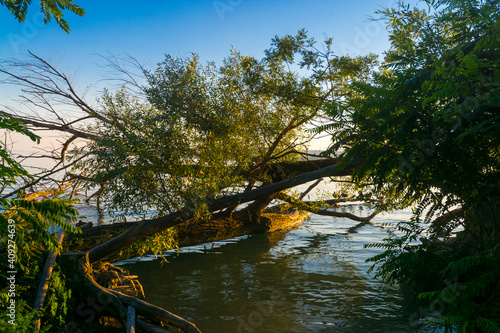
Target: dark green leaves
[
  {"x": 50, "y": 9},
  {"x": 202, "y": 132},
  {"x": 427, "y": 130}
]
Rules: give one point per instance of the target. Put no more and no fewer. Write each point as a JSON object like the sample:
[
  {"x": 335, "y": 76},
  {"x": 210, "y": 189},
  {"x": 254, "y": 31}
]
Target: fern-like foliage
[
  {"x": 37, "y": 219},
  {"x": 425, "y": 132},
  {"x": 49, "y": 8}
]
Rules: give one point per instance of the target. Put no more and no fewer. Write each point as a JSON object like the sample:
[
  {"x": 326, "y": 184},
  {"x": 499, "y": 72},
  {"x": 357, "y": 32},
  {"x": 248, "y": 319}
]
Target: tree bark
[
  {"x": 256, "y": 208},
  {"x": 149, "y": 227},
  {"x": 284, "y": 170},
  {"x": 156, "y": 313},
  {"x": 43, "y": 287},
  {"x": 114, "y": 303},
  {"x": 130, "y": 320}
]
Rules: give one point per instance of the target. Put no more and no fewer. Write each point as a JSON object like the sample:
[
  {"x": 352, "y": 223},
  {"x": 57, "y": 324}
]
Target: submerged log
[
  {"x": 109, "y": 302},
  {"x": 130, "y": 320},
  {"x": 193, "y": 232}
]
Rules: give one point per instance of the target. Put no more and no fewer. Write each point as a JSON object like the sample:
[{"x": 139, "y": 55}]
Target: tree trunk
[
  {"x": 149, "y": 227},
  {"x": 44, "y": 281},
  {"x": 130, "y": 320},
  {"x": 98, "y": 301},
  {"x": 256, "y": 208}
]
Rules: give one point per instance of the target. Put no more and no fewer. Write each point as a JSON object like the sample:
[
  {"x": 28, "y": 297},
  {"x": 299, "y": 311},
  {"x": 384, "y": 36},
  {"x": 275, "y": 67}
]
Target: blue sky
[{"x": 149, "y": 29}]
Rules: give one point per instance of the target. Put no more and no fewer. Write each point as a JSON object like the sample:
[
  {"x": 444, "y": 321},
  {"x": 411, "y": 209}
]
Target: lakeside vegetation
[{"x": 418, "y": 129}]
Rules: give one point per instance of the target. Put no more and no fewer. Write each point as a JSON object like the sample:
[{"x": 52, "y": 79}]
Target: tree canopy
[
  {"x": 418, "y": 130},
  {"x": 426, "y": 128},
  {"x": 49, "y": 8},
  {"x": 206, "y": 131}
]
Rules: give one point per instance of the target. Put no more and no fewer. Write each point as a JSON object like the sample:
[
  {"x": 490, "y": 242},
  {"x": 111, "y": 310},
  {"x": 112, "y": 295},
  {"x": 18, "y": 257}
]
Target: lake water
[{"x": 311, "y": 279}]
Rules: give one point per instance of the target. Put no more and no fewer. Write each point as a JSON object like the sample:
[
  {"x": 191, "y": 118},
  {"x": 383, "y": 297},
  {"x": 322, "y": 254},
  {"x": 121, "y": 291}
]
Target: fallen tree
[
  {"x": 148, "y": 227},
  {"x": 424, "y": 128},
  {"x": 196, "y": 142},
  {"x": 200, "y": 141}
]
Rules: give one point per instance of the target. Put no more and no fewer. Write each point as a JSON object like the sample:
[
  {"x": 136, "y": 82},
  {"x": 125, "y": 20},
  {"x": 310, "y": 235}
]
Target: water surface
[{"x": 311, "y": 279}]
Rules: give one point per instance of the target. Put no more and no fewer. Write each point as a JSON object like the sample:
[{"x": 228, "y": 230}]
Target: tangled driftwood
[
  {"x": 118, "y": 279},
  {"x": 113, "y": 298},
  {"x": 149, "y": 318}
]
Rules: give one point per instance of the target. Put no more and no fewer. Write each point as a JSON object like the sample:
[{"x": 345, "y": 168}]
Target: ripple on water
[{"x": 312, "y": 279}]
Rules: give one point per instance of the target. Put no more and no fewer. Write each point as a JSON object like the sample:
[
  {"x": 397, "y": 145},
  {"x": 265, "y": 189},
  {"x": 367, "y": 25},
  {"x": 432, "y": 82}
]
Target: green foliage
[
  {"x": 447, "y": 276},
  {"x": 38, "y": 217},
  {"x": 56, "y": 302},
  {"x": 155, "y": 244},
  {"x": 49, "y": 8},
  {"x": 24, "y": 319},
  {"x": 24, "y": 232},
  {"x": 26, "y": 285},
  {"x": 427, "y": 120},
  {"x": 10, "y": 169},
  {"x": 153, "y": 160},
  {"x": 426, "y": 133},
  {"x": 203, "y": 132},
  {"x": 29, "y": 215}
]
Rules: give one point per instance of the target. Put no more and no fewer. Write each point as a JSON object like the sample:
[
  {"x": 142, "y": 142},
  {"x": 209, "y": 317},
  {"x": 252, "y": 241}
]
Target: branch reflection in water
[{"x": 311, "y": 279}]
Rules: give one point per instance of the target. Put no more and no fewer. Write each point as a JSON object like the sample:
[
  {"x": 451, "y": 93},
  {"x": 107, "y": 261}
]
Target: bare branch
[
  {"x": 322, "y": 211},
  {"x": 43, "y": 177},
  {"x": 127, "y": 71},
  {"x": 148, "y": 227},
  {"x": 52, "y": 126}
]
